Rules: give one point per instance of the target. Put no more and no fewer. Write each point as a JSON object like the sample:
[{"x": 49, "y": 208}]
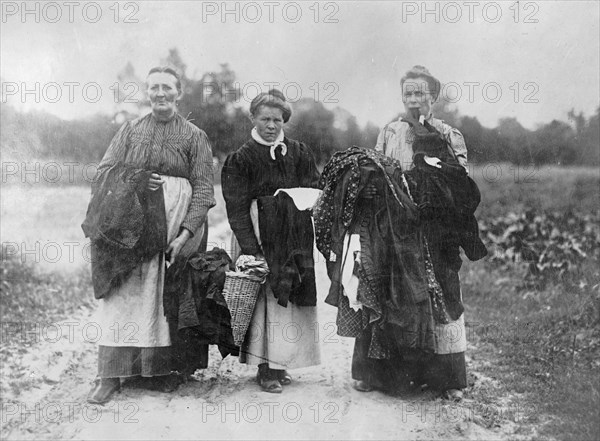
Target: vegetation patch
[{"x": 534, "y": 304}]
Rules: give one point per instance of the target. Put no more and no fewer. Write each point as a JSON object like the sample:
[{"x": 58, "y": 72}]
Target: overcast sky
[{"x": 529, "y": 60}]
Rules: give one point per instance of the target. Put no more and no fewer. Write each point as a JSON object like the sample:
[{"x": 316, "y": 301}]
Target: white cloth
[
  {"x": 350, "y": 256},
  {"x": 451, "y": 338},
  {"x": 132, "y": 314},
  {"x": 277, "y": 143},
  {"x": 303, "y": 197}
]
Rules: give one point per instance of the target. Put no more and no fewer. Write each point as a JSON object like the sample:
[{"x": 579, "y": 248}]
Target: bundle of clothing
[
  {"x": 125, "y": 223},
  {"x": 446, "y": 196},
  {"x": 384, "y": 276},
  {"x": 196, "y": 309},
  {"x": 287, "y": 238}
]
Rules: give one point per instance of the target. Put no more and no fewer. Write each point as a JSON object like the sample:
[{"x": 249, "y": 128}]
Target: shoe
[
  {"x": 363, "y": 386},
  {"x": 272, "y": 386},
  {"x": 267, "y": 379},
  {"x": 103, "y": 390},
  {"x": 455, "y": 395},
  {"x": 283, "y": 377}
]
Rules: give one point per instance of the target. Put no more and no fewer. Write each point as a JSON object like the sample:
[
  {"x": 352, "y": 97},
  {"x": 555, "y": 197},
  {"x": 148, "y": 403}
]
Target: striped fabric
[
  {"x": 130, "y": 362},
  {"x": 174, "y": 148}
]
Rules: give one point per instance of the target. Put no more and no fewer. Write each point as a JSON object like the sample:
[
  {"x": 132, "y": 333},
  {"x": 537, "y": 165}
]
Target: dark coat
[
  {"x": 126, "y": 224},
  {"x": 287, "y": 241},
  {"x": 447, "y": 197},
  {"x": 195, "y": 307}
]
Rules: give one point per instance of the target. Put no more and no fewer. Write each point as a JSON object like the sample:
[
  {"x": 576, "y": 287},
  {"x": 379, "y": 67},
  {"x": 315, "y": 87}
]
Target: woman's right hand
[{"x": 155, "y": 182}]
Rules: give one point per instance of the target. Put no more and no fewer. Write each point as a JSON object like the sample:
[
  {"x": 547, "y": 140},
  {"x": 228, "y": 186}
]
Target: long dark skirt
[{"x": 407, "y": 368}]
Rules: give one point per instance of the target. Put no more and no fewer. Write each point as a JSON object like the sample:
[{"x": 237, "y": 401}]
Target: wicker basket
[{"x": 240, "y": 292}]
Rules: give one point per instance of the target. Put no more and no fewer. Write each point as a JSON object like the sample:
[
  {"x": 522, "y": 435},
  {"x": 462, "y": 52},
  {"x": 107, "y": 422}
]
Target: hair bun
[
  {"x": 277, "y": 94},
  {"x": 272, "y": 98}
]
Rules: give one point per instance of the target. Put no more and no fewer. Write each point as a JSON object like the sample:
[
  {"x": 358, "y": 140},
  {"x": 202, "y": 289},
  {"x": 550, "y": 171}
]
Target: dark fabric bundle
[
  {"x": 287, "y": 242},
  {"x": 126, "y": 224},
  {"x": 393, "y": 282},
  {"x": 349, "y": 161},
  {"x": 447, "y": 197},
  {"x": 196, "y": 309}
]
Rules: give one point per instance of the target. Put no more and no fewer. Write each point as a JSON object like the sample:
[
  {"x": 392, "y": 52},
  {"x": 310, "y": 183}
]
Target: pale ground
[{"x": 226, "y": 402}]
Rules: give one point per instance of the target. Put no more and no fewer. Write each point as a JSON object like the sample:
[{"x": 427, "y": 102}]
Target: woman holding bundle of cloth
[
  {"x": 276, "y": 227},
  {"x": 390, "y": 224}
]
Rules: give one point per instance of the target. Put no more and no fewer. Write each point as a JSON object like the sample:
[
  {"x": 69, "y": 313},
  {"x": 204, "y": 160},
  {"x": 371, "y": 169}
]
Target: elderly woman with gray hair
[
  {"x": 267, "y": 225},
  {"x": 150, "y": 199}
]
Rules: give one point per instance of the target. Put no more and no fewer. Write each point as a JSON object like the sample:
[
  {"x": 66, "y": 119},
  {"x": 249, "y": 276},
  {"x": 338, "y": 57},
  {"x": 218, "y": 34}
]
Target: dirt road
[{"x": 225, "y": 402}]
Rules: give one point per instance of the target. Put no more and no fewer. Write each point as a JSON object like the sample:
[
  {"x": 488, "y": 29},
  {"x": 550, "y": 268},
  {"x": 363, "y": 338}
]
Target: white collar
[{"x": 278, "y": 142}]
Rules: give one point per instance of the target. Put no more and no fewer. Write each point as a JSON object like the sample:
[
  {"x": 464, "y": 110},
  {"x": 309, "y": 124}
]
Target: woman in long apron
[
  {"x": 176, "y": 157},
  {"x": 269, "y": 161}
]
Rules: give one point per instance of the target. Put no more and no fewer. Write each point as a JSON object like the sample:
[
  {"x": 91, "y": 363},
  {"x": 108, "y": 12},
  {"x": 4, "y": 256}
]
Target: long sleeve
[
  {"x": 456, "y": 141},
  {"x": 116, "y": 150},
  {"x": 201, "y": 179},
  {"x": 236, "y": 191}
]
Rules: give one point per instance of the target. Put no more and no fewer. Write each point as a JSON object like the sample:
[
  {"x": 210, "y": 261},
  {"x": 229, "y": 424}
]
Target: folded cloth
[
  {"x": 249, "y": 264},
  {"x": 304, "y": 198}
]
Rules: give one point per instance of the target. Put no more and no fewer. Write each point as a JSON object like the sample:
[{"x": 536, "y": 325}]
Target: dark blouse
[
  {"x": 250, "y": 172},
  {"x": 173, "y": 148}
]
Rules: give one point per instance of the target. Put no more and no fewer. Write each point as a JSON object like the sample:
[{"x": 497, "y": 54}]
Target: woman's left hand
[
  {"x": 154, "y": 182},
  {"x": 175, "y": 247}
]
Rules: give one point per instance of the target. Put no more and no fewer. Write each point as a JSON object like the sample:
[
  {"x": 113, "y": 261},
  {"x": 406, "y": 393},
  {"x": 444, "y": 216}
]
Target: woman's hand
[
  {"x": 175, "y": 247},
  {"x": 369, "y": 192},
  {"x": 155, "y": 182}
]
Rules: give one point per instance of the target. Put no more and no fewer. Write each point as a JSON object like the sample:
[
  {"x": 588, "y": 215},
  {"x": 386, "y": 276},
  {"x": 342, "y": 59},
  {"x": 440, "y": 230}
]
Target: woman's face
[
  {"x": 268, "y": 122},
  {"x": 163, "y": 93},
  {"x": 416, "y": 94}
]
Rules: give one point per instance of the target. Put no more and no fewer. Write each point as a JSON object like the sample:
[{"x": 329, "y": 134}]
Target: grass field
[
  {"x": 507, "y": 187},
  {"x": 540, "y": 345}
]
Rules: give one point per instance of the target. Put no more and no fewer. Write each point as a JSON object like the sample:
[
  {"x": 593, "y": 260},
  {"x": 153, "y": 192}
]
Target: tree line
[{"x": 212, "y": 103}]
